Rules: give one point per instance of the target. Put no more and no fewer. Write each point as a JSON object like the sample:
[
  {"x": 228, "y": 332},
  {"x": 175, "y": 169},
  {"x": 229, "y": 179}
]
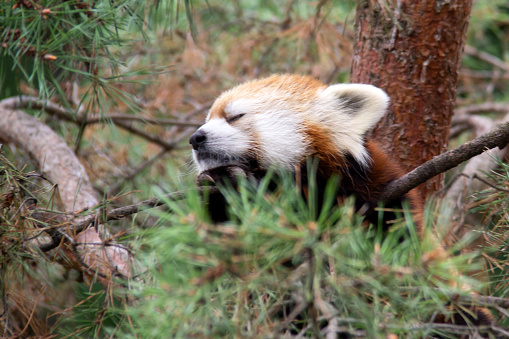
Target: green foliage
[
  {"x": 283, "y": 267},
  {"x": 23, "y": 270},
  {"x": 279, "y": 265},
  {"x": 51, "y": 44},
  {"x": 493, "y": 205},
  {"x": 488, "y": 27},
  {"x": 92, "y": 315},
  {"x": 487, "y": 32}
]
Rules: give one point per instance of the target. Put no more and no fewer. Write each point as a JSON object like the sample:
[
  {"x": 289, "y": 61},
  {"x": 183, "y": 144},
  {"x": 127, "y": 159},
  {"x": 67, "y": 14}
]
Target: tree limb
[
  {"x": 464, "y": 185},
  {"x": 60, "y": 165},
  {"x": 499, "y": 137}
]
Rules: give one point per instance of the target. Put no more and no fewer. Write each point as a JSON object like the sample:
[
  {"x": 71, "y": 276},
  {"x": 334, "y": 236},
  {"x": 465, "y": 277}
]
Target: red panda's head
[{"x": 281, "y": 120}]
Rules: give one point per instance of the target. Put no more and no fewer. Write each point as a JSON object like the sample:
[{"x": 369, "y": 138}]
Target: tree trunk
[{"x": 412, "y": 50}]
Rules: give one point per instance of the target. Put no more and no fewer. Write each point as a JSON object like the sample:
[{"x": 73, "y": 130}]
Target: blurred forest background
[{"x": 120, "y": 86}]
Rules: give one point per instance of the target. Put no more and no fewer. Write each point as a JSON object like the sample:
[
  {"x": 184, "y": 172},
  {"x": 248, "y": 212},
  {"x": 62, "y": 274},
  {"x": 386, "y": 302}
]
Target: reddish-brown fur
[{"x": 367, "y": 188}]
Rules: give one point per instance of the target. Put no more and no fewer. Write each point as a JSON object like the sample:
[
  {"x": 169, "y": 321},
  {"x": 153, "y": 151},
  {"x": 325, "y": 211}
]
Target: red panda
[{"x": 283, "y": 120}]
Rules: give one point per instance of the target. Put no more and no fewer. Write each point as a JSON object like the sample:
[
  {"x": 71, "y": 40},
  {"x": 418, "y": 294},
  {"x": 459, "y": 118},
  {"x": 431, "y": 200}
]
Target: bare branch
[
  {"x": 23, "y": 102},
  {"x": 486, "y": 107},
  {"x": 57, "y": 161},
  {"x": 121, "y": 121},
  {"x": 130, "y": 117},
  {"x": 147, "y": 136},
  {"x": 463, "y": 186},
  {"x": 472, "y": 51},
  {"x": 499, "y": 137},
  {"x": 477, "y": 299},
  {"x": 492, "y": 75}
]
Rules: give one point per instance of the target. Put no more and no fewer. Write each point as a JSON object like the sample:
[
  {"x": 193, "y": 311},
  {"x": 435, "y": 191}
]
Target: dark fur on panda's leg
[{"x": 224, "y": 176}]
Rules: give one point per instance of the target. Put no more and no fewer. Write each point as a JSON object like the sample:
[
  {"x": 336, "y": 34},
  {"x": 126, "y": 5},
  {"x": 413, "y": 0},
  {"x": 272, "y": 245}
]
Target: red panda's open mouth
[
  {"x": 224, "y": 158},
  {"x": 209, "y": 160}
]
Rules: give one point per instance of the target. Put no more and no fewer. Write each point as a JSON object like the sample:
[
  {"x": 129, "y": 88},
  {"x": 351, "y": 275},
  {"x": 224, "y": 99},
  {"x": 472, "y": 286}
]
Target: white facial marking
[
  {"x": 226, "y": 143},
  {"x": 237, "y": 107},
  {"x": 281, "y": 139}
]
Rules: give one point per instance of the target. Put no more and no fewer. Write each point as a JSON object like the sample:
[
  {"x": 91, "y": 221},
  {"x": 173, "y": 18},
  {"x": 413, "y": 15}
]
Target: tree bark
[{"x": 412, "y": 50}]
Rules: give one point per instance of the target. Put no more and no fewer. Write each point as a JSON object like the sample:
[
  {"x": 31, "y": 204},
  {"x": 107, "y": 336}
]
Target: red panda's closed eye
[{"x": 234, "y": 118}]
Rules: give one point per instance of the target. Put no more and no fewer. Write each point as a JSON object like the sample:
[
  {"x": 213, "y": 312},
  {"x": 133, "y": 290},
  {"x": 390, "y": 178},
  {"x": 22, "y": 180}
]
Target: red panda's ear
[{"x": 359, "y": 106}]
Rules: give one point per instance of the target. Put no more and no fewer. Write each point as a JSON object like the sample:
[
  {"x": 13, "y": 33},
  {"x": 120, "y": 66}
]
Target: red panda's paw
[{"x": 224, "y": 174}]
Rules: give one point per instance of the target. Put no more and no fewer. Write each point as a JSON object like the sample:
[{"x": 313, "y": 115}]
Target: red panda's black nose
[{"x": 197, "y": 139}]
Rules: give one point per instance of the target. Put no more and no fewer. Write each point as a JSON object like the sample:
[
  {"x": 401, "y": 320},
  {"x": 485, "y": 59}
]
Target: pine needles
[{"x": 281, "y": 271}]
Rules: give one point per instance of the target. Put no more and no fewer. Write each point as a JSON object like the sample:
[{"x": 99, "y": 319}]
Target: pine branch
[
  {"x": 115, "y": 214},
  {"x": 499, "y": 137}
]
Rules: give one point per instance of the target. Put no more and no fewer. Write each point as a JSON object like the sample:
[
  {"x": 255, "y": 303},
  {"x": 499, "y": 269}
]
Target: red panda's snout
[
  {"x": 220, "y": 143},
  {"x": 197, "y": 139}
]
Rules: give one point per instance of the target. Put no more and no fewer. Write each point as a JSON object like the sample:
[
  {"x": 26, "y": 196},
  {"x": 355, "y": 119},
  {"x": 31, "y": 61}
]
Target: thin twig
[
  {"x": 301, "y": 306},
  {"x": 310, "y": 295},
  {"x": 450, "y": 328},
  {"x": 147, "y": 136},
  {"x": 36, "y": 302},
  {"x": 486, "y": 107},
  {"x": 484, "y": 300},
  {"x": 134, "y": 172},
  {"x": 24, "y": 101},
  {"x": 79, "y": 119},
  {"x": 497, "y": 75},
  {"x": 500, "y": 330},
  {"x": 472, "y": 51},
  {"x": 130, "y": 117},
  {"x": 475, "y": 176},
  {"x": 470, "y": 299},
  {"x": 328, "y": 311}
]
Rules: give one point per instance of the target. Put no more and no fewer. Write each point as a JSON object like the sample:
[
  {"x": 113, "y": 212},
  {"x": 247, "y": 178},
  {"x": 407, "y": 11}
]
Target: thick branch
[
  {"x": 57, "y": 161},
  {"x": 499, "y": 137},
  {"x": 61, "y": 166},
  {"x": 464, "y": 185}
]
